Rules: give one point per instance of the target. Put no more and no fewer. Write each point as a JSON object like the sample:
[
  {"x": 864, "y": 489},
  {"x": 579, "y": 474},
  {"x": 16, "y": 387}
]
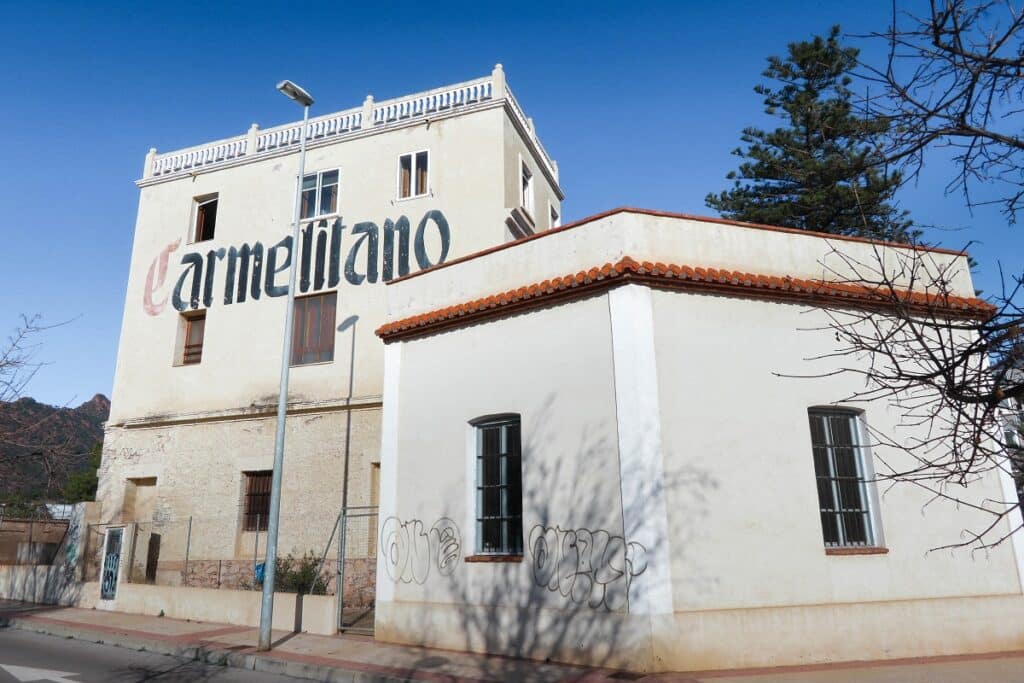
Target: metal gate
[
  {"x": 356, "y": 582},
  {"x": 111, "y": 564}
]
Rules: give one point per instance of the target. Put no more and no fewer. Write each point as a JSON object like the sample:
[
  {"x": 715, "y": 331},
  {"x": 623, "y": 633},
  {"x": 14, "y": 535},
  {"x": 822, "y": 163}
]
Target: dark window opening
[
  {"x": 206, "y": 219},
  {"x": 257, "y": 500},
  {"x": 313, "y": 329},
  {"x": 499, "y": 491}
]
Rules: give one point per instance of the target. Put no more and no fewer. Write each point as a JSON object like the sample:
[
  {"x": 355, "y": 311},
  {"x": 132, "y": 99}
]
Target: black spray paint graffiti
[
  {"x": 250, "y": 271},
  {"x": 590, "y": 568},
  {"x": 411, "y": 551}
]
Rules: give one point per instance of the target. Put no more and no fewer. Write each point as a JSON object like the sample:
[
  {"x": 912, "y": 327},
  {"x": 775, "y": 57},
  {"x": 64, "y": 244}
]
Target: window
[
  {"x": 256, "y": 508},
  {"x": 313, "y": 329},
  {"x": 555, "y": 220},
  {"x": 206, "y": 218},
  {"x": 527, "y": 190},
  {"x": 839, "y": 467},
  {"x": 413, "y": 175},
  {"x": 195, "y": 330},
  {"x": 499, "y": 489},
  {"x": 319, "y": 194}
]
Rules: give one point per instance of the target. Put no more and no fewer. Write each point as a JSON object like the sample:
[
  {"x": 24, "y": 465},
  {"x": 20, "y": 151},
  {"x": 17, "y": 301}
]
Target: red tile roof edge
[
  {"x": 708, "y": 280},
  {"x": 670, "y": 214}
]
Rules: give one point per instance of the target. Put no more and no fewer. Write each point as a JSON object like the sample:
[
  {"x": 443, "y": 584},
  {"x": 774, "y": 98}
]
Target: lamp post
[{"x": 303, "y": 98}]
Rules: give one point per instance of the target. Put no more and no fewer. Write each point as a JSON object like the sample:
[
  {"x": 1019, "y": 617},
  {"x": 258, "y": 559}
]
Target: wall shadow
[{"x": 569, "y": 597}]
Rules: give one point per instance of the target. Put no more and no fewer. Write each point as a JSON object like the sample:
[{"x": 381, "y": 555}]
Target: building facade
[
  {"x": 391, "y": 188},
  {"x": 638, "y": 463}
]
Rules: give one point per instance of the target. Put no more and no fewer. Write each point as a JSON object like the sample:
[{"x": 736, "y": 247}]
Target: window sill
[
  {"x": 414, "y": 196},
  {"x": 857, "y": 550},
  {"x": 494, "y": 558},
  {"x": 306, "y": 365}
]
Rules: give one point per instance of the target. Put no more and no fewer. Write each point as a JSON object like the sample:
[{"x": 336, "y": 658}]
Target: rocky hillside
[{"x": 41, "y": 444}]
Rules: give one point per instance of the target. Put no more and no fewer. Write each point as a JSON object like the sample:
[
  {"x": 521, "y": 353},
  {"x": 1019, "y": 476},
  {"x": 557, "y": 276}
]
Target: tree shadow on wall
[{"x": 568, "y": 599}]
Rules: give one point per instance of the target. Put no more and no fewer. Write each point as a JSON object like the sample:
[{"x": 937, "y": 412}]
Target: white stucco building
[
  {"x": 624, "y": 469},
  {"x": 391, "y": 187}
]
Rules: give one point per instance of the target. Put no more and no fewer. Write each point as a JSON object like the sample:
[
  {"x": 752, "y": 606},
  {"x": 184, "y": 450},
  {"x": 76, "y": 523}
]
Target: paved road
[{"x": 93, "y": 663}]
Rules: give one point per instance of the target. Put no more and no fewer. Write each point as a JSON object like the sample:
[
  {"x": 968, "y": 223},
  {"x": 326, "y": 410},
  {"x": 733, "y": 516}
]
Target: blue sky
[{"x": 640, "y": 103}]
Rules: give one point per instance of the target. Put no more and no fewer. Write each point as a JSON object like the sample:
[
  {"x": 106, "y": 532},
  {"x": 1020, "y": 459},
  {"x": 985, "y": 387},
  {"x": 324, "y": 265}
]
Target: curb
[{"x": 208, "y": 654}]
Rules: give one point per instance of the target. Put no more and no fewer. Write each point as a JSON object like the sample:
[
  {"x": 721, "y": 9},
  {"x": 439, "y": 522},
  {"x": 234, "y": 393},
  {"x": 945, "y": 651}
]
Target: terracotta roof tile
[{"x": 688, "y": 277}]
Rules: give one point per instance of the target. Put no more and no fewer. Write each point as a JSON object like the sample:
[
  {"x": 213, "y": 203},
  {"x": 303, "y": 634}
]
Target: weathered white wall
[
  {"x": 740, "y": 472},
  {"x": 569, "y": 442},
  {"x": 242, "y": 347},
  {"x": 708, "y": 460}
]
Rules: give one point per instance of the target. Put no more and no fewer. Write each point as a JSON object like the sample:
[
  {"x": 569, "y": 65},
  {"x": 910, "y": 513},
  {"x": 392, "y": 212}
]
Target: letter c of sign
[{"x": 155, "y": 279}]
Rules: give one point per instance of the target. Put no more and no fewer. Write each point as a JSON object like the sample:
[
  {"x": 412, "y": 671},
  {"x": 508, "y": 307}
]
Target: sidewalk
[
  {"x": 360, "y": 659},
  {"x": 320, "y": 658}
]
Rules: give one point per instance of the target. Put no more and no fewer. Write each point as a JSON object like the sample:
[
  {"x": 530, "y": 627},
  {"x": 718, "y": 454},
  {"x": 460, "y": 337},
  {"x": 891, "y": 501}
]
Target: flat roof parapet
[{"x": 369, "y": 118}]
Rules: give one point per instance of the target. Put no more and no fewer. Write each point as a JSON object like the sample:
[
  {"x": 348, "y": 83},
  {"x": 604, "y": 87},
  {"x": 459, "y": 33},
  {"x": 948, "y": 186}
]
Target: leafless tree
[
  {"x": 945, "y": 363},
  {"x": 952, "y": 88},
  {"x": 952, "y": 80},
  {"x": 30, "y": 456}
]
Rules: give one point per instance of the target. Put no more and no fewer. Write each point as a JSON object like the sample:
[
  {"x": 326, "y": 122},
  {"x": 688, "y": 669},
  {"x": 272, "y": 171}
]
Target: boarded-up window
[
  {"x": 195, "y": 331},
  {"x": 313, "y": 329},
  {"x": 257, "y": 500}
]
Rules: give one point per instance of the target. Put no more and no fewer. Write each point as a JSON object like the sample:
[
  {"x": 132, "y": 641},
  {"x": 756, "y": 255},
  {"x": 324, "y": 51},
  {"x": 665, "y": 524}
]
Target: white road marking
[{"x": 25, "y": 673}]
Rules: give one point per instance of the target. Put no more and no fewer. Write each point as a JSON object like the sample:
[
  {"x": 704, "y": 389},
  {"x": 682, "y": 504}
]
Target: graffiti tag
[
  {"x": 411, "y": 551},
  {"x": 592, "y": 568}
]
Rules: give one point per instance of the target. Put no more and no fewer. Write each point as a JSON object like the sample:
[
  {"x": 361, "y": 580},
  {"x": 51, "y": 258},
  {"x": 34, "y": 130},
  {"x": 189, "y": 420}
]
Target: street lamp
[{"x": 303, "y": 98}]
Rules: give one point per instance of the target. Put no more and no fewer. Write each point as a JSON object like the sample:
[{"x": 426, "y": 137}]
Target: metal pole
[
  {"x": 327, "y": 548},
  {"x": 188, "y": 546},
  {"x": 256, "y": 551},
  {"x": 341, "y": 569},
  {"x": 267, "y": 607},
  {"x": 131, "y": 553}
]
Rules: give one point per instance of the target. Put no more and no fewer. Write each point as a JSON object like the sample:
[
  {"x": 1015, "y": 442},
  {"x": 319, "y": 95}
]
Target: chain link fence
[{"x": 228, "y": 553}]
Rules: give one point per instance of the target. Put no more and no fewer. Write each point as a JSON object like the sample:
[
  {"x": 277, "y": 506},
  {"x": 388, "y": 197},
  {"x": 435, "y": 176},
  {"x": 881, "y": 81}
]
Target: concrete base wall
[
  {"x": 316, "y": 612},
  {"x": 717, "y": 639},
  {"x": 43, "y": 584}
]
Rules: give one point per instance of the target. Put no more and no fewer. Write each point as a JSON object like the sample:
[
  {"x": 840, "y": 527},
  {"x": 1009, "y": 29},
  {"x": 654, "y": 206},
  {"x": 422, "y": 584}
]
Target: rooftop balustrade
[{"x": 338, "y": 125}]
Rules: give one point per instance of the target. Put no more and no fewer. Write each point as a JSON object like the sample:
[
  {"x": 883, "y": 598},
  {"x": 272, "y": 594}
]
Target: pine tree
[{"x": 818, "y": 172}]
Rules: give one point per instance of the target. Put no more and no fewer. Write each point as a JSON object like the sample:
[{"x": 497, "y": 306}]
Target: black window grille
[
  {"x": 257, "y": 500},
  {"x": 499, "y": 490},
  {"x": 839, "y": 469}
]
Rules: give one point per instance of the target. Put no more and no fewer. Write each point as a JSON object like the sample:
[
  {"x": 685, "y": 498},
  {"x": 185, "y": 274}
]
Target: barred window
[
  {"x": 839, "y": 468},
  {"x": 256, "y": 508},
  {"x": 499, "y": 489}
]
